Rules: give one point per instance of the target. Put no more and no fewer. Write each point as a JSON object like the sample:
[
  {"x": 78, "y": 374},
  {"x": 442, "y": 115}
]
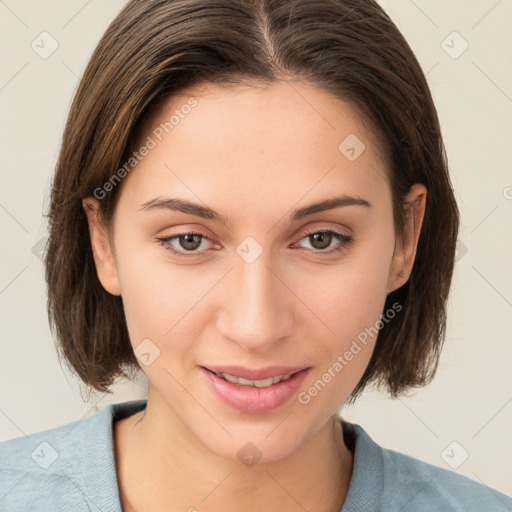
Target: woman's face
[{"x": 254, "y": 287}]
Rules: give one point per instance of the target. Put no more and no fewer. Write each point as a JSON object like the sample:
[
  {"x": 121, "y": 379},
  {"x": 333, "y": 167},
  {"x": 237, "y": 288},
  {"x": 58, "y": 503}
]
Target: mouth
[
  {"x": 258, "y": 383},
  {"x": 254, "y": 395}
]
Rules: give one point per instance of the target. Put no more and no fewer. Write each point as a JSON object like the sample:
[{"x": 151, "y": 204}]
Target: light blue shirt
[{"x": 72, "y": 468}]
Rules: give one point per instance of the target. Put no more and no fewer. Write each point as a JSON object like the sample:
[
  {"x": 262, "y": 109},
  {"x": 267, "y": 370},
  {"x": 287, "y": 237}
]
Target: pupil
[
  {"x": 322, "y": 237},
  {"x": 188, "y": 241}
]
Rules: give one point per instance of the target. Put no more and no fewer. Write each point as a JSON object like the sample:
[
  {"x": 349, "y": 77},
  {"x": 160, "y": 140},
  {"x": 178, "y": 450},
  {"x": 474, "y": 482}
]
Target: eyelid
[{"x": 323, "y": 228}]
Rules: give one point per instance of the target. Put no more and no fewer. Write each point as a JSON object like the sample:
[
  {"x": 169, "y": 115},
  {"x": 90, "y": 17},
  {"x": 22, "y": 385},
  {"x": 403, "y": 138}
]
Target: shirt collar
[
  {"x": 366, "y": 484},
  {"x": 364, "y": 493}
]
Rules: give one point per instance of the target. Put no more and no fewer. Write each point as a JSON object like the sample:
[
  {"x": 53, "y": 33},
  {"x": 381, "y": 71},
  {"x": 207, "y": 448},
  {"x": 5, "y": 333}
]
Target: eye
[
  {"x": 322, "y": 239},
  {"x": 189, "y": 243}
]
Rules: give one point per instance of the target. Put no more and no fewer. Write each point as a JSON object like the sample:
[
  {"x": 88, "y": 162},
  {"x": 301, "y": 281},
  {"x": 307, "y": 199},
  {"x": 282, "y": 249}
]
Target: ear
[
  {"x": 405, "y": 248},
  {"x": 101, "y": 247}
]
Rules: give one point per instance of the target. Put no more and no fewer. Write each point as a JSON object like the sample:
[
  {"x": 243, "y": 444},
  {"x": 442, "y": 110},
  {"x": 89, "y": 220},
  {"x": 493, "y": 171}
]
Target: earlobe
[
  {"x": 405, "y": 249},
  {"x": 101, "y": 247}
]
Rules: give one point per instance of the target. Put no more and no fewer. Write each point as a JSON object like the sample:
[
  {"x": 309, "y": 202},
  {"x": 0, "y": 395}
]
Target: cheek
[
  {"x": 352, "y": 312},
  {"x": 349, "y": 311},
  {"x": 348, "y": 296},
  {"x": 157, "y": 298},
  {"x": 349, "y": 300}
]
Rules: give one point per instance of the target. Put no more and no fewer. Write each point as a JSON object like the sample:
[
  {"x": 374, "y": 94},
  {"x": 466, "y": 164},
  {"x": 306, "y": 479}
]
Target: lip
[
  {"x": 252, "y": 374},
  {"x": 253, "y": 400}
]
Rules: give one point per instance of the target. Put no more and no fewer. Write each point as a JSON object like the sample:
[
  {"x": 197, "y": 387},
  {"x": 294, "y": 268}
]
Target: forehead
[{"x": 249, "y": 144}]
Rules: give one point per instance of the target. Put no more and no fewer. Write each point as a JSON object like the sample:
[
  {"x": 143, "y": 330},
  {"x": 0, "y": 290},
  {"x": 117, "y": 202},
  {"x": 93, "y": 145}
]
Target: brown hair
[{"x": 151, "y": 50}]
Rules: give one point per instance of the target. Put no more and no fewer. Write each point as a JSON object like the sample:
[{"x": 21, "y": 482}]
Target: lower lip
[{"x": 253, "y": 400}]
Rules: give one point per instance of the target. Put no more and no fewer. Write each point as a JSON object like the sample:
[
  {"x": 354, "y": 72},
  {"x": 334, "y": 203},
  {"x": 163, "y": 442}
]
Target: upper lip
[{"x": 255, "y": 374}]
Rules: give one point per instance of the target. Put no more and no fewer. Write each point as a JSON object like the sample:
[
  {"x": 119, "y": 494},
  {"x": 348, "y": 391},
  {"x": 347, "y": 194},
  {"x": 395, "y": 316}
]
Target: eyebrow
[{"x": 181, "y": 205}]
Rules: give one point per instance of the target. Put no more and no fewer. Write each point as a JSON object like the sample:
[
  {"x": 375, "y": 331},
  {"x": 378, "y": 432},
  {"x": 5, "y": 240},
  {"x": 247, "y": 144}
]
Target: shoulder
[
  {"x": 42, "y": 467},
  {"x": 406, "y": 483},
  {"x": 424, "y": 484},
  {"x": 67, "y": 467}
]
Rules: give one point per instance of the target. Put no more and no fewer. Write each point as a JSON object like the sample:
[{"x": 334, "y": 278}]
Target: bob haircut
[{"x": 152, "y": 50}]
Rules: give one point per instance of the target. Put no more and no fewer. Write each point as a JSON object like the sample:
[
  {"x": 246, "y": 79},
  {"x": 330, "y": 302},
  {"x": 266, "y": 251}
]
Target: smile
[
  {"x": 262, "y": 383},
  {"x": 254, "y": 396}
]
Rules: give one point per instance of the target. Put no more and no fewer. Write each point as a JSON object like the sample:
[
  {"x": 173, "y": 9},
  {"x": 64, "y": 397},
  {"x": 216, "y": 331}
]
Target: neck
[{"x": 155, "y": 471}]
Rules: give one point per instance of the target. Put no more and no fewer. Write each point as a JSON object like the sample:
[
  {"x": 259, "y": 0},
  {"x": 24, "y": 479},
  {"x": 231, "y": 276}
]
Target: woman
[{"x": 252, "y": 207}]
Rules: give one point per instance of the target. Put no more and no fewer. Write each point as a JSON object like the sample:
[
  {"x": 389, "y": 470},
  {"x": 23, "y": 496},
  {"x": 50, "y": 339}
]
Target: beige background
[{"x": 467, "y": 410}]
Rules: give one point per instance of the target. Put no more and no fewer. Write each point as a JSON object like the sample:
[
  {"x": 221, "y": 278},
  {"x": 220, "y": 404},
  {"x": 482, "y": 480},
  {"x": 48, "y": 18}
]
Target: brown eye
[
  {"x": 321, "y": 240},
  {"x": 190, "y": 241},
  {"x": 187, "y": 243}
]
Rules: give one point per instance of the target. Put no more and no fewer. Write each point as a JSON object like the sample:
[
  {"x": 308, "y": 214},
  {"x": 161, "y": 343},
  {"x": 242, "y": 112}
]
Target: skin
[{"x": 253, "y": 154}]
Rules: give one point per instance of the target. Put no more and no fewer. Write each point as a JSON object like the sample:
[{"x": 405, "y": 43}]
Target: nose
[{"x": 256, "y": 309}]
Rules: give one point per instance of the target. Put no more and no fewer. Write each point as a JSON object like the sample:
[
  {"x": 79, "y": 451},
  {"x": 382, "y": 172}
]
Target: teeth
[{"x": 255, "y": 383}]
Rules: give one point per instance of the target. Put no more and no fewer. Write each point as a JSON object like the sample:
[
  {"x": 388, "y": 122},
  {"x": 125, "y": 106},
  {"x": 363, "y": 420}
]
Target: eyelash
[{"x": 345, "y": 240}]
